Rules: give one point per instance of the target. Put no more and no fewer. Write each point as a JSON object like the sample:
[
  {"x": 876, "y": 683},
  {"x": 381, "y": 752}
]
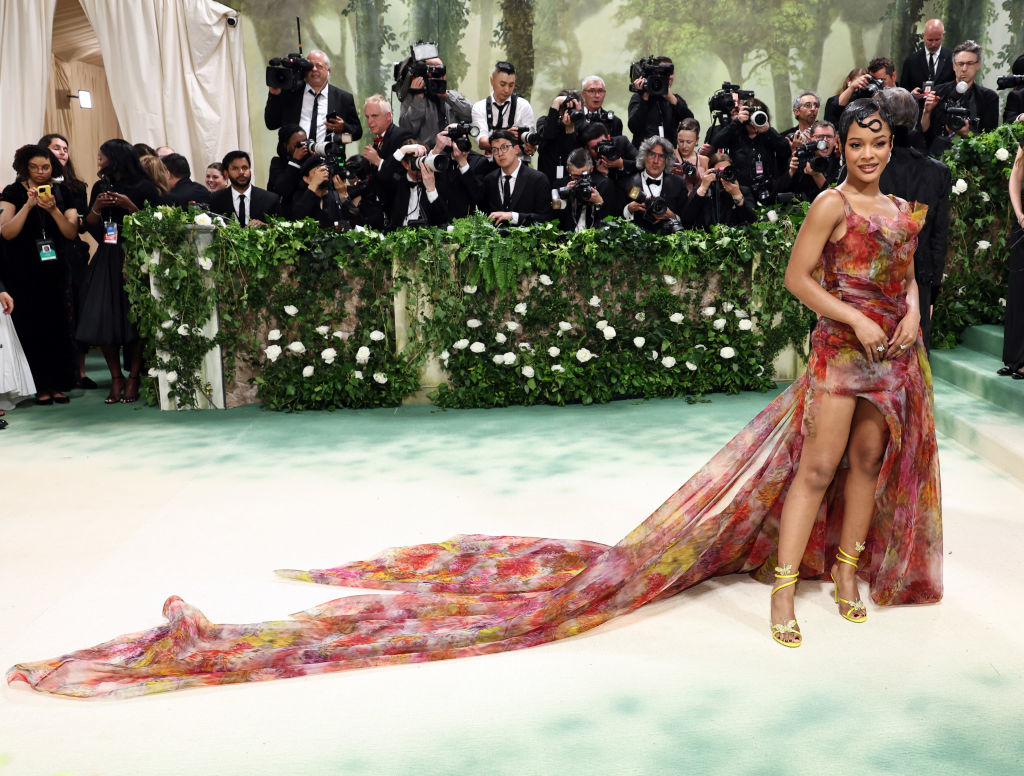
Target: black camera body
[
  {"x": 607, "y": 151},
  {"x": 656, "y": 76},
  {"x": 528, "y": 136},
  {"x": 572, "y": 107},
  {"x": 288, "y": 73},
  {"x": 601, "y": 115},
  {"x": 353, "y": 185},
  {"x": 726, "y": 174},
  {"x": 874, "y": 86},
  {"x": 808, "y": 153},
  {"x": 685, "y": 169},
  {"x": 1009, "y": 81},
  {"x": 653, "y": 206},
  {"x": 415, "y": 66},
  {"x": 581, "y": 190},
  {"x": 957, "y": 117},
  {"x": 722, "y": 102},
  {"x": 461, "y": 133}
]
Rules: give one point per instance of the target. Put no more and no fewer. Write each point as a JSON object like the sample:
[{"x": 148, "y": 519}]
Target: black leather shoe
[
  {"x": 1018, "y": 375},
  {"x": 1006, "y": 371},
  {"x": 3, "y": 423},
  {"x": 86, "y": 382}
]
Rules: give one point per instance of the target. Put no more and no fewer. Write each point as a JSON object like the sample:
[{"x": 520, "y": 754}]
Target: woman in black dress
[
  {"x": 1013, "y": 331},
  {"x": 123, "y": 188},
  {"x": 37, "y": 225}
]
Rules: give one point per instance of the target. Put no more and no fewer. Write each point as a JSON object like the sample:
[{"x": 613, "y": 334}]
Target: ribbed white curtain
[
  {"x": 26, "y": 31},
  {"x": 176, "y": 74}
]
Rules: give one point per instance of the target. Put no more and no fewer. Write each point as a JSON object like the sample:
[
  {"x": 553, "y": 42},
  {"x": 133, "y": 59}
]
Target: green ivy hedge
[{"x": 514, "y": 316}]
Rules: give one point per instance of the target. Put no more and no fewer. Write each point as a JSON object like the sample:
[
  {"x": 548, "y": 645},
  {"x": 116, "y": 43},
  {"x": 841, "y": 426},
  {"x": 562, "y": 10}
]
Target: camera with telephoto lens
[
  {"x": 722, "y": 101},
  {"x": 758, "y": 117},
  {"x": 461, "y": 133},
  {"x": 415, "y": 66},
  {"x": 656, "y": 76},
  {"x": 653, "y": 206},
  {"x": 435, "y": 162},
  {"x": 873, "y": 87},
  {"x": 528, "y": 136},
  {"x": 288, "y": 73},
  {"x": 355, "y": 184},
  {"x": 1009, "y": 81},
  {"x": 607, "y": 151},
  {"x": 581, "y": 190},
  {"x": 957, "y": 117},
  {"x": 726, "y": 174},
  {"x": 808, "y": 153}
]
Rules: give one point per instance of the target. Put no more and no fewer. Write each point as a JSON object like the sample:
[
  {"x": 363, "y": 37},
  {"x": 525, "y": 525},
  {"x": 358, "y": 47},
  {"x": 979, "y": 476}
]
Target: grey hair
[
  {"x": 799, "y": 97},
  {"x": 900, "y": 105},
  {"x": 324, "y": 54},
  {"x": 590, "y": 78},
  {"x": 970, "y": 47},
  {"x": 647, "y": 145}
]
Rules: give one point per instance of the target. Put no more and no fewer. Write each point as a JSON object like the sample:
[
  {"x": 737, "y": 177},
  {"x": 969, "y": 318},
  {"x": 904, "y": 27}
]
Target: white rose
[
  {"x": 167, "y": 324},
  {"x": 511, "y": 325},
  {"x": 527, "y": 372},
  {"x": 520, "y": 308},
  {"x": 296, "y": 347},
  {"x": 676, "y": 317},
  {"x": 985, "y": 197},
  {"x": 155, "y": 261},
  {"x": 307, "y": 371},
  {"x": 1002, "y": 302},
  {"x": 509, "y": 358},
  {"x": 746, "y": 324},
  {"x": 498, "y": 359},
  {"x": 144, "y": 269},
  {"x": 668, "y": 362},
  {"x": 478, "y": 347},
  {"x": 183, "y": 330},
  {"x": 273, "y": 351},
  {"x": 1002, "y": 154},
  {"x": 500, "y": 338},
  {"x": 554, "y": 352},
  {"x": 653, "y": 355},
  {"x": 602, "y": 324},
  {"x": 328, "y": 355},
  {"x": 641, "y": 316},
  {"x": 445, "y": 355},
  {"x": 380, "y": 377},
  {"x": 363, "y": 355},
  {"x": 727, "y": 352},
  {"x": 984, "y": 245},
  {"x": 709, "y": 311},
  {"x": 376, "y": 335},
  {"x": 609, "y": 333},
  {"x": 960, "y": 186},
  {"x": 741, "y": 314},
  {"x": 291, "y": 309},
  {"x": 773, "y": 217},
  {"x": 153, "y": 372},
  {"x": 669, "y": 280},
  {"x": 691, "y": 366},
  {"x": 462, "y": 344},
  {"x": 322, "y": 330},
  {"x": 469, "y": 289},
  {"x": 339, "y": 334},
  {"x": 474, "y": 323},
  {"x": 583, "y": 355},
  {"x": 203, "y": 219},
  {"x": 595, "y": 301},
  {"x": 160, "y": 216},
  {"x": 564, "y": 326},
  {"x": 719, "y": 324},
  {"x": 639, "y": 341},
  {"x": 700, "y": 347},
  {"x": 557, "y": 368},
  {"x": 728, "y": 307},
  {"x": 357, "y": 374},
  {"x": 273, "y": 335},
  {"x": 205, "y": 263},
  {"x": 172, "y": 377},
  {"x": 545, "y": 280}
]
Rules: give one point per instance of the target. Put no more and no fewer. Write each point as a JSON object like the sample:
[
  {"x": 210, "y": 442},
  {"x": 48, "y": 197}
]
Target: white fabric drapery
[
  {"x": 26, "y": 31},
  {"x": 176, "y": 74}
]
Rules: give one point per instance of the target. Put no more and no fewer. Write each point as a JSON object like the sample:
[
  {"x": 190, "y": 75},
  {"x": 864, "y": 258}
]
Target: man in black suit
[
  {"x": 982, "y": 104},
  {"x": 514, "y": 194},
  {"x": 307, "y": 109},
  {"x": 931, "y": 62},
  {"x": 655, "y": 115},
  {"x": 1014, "y": 110},
  {"x": 384, "y": 151},
  {"x": 576, "y": 214},
  {"x": 460, "y": 183},
  {"x": 653, "y": 182},
  {"x": 719, "y": 199},
  {"x": 184, "y": 190},
  {"x": 413, "y": 198},
  {"x": 915, "y": 177},
  {"x": 249, "y": 204},
  {"x": 594, "y": 92},
  {"x": 614, "y": 157}
]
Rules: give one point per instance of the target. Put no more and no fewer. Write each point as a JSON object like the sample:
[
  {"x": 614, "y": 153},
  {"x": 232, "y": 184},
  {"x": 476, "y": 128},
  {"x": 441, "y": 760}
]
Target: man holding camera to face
[
  {"x": 458, "y": 180},
  {"x": 311, "y": 102},
  {"x": 411, "y": 197},
  {"x": 759, "y": 154},
  {"x": 421, "y": 83},
  {"x": 585, "y": 199},
  {"x": 558, "y": 131},
  {"x": 655, "y": 196},
  {"x": 503, "y": 108},
  {"x": 719, "y": 199},
  {"x": 614, "y": 157},
  {"x": 654, "y": 110},
  {"x": 814, "y": 165},
  {"x": 959, "y": 107}
]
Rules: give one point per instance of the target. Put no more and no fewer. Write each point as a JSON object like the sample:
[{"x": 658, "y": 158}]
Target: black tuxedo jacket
[
  {"x": 915, "y": 69},
  {"x": 569, "y": 214},
  {"x": 393, "y": 138},
  {"x": 263, "y": 204},
  {"x": 646, "y": 116},
  {"x": 285, "y": 108},
  {"x": 435, "y": 212},
  {"x": 1014, "y": 105},
  {"x": 462, "y": 190},
  {"x": 531, "y": 197},
  {"x": 186, "y": 191},
  {"x": 700, "y": 212},
  {"x": 673, "y": 191}
]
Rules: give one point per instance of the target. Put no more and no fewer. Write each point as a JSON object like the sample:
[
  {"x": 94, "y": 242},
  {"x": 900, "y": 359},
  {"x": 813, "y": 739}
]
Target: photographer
[
  {"x": 855, "y": 80},
  {"x": 460, "y": 184},
  {"x": 594, "y": 92},
  {"x": 412, "y": 198},
  {"x": 655, "y": 196},
  {"x": 690, "y": 165},
  {"x": 654, "y": 111},
  {"x": 719, "y": 199},
  {"x": 306, "y": 106},
  {"x": 292, "y": 150},
  {"x": 759, "y": 153},
  {"x": 614, "y": 157},
  {"x": 428, "y": 103},
  {"x": 883, "y": 69},
  {"x": 805, "y": 111},
  {"x": 932, "y": 62},
  {"x": 503, "y": 108},
  {"x": 513, "y": 194},
  {"x": 586, "y": 199},
  {"x": 559, "y": 132},
  {"x": 184, "y": 191},
  {"x": 320, "y": 197},
  {"x": 814, "y": 165},
  {"x": 1014, "y": 110},
  {"x": 959, "y": 107},
  {"x": 358, "y": 199},
  {"x": 385, "y": 151}
]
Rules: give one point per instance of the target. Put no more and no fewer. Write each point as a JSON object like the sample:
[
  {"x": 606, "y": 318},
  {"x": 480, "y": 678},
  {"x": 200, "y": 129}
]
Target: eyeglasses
[
  {"x": 809, "y": 104},
  {"x": 823, "y": 137},
  {"x": 966, "y": 64},
  {"x": 595, "y": 91},
  {"x": 655, "y": 155},
  {"x": 502, "y": 148}
]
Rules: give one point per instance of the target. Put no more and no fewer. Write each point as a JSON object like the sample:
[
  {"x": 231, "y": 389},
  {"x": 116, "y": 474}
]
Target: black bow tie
[
  {"x": 411, "y": 184},
  {"x": 653, "y": 181}
]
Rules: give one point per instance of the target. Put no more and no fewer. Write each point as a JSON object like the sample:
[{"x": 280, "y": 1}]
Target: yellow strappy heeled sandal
[
  {"x": 788, "y": 628},
  {"x": 850, "y": 560}
]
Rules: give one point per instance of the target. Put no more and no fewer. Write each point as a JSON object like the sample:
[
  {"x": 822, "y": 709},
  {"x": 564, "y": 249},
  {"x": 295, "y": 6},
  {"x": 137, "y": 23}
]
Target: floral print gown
[{"x": 476, "y": 594}]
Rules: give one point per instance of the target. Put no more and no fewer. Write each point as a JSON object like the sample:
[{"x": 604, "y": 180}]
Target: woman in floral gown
[{"x": 477, "y": 594}]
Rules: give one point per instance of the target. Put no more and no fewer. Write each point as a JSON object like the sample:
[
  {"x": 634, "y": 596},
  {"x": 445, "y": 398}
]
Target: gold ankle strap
[{"x": 851, "y": 560}]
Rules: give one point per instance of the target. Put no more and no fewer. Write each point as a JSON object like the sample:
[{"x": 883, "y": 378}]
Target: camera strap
[{"x": 510, "y": 104}]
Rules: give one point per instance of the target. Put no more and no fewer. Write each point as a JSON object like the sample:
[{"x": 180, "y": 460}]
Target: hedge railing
[{"x": 483, "y": 317}]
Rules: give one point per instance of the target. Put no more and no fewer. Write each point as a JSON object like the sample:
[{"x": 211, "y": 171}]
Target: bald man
[{"x": 932, "y": 62}]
